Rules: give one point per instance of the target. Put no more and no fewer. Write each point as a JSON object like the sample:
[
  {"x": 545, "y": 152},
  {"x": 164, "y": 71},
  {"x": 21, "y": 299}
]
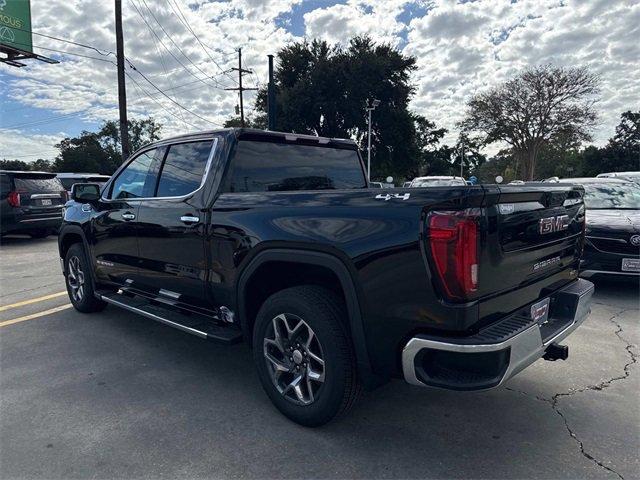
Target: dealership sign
[{"x": 15, "y": 25}]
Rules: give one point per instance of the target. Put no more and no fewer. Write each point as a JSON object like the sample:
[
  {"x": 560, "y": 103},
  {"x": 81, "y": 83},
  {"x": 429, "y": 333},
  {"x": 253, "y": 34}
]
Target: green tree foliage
[
  {"x": 324, "y": 90},
  {"x": 622, "y": 153},
  {"x": 40, "y": 165},
  {"x": 535, "y": 109},
  {"x": 99, "y": 152}
]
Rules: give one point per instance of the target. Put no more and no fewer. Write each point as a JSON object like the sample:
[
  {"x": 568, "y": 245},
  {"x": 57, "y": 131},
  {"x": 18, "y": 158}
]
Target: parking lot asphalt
[{"x": 114, "y": 395}]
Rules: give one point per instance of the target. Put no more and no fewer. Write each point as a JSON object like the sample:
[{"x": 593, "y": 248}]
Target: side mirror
[{"x": 85, "y": 192}]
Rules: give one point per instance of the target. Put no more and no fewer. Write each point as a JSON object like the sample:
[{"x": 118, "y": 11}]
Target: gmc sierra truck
[{"x": 276, "y": 239}]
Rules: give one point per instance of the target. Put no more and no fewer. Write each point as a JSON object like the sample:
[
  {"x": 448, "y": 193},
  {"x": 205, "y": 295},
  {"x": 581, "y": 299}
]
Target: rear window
[
  {"x": 38, "y": 184},
  {"x": 183, "y": 168},
  {"x": 612, "y": 196},
  {"x": 276, "y": 167}
]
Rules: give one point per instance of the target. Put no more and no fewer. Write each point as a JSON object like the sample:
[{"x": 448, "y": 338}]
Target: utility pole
[
  {"x": 462, "y": 160},
  {"x": 240, "y": 88},
  {"x": 370, "y": 108},
  {"x": 271, "y": 98},
  {"x": 122, "y": 90}
]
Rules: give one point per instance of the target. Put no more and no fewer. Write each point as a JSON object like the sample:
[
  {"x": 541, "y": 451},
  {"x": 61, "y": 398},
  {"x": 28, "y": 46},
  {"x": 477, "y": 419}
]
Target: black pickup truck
[{"x": 277, "y": 239}]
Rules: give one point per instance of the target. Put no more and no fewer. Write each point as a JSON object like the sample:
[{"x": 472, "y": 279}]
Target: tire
[
  {"x": 324, "y": 389},
  {"x": 40, "y": 233},
  {"x": 78, "y": 281}
]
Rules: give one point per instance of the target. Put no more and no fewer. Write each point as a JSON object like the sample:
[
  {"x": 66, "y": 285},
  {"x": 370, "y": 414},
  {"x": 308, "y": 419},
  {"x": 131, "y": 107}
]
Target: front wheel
[
  {"x": 303, "y": 354},
  {"x": 79, "y": 286}
]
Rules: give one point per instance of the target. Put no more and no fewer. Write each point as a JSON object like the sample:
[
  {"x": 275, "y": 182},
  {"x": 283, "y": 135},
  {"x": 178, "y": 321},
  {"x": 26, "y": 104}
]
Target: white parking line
[
  {"x": 35, "y": 315},
  {"x": 33, "y": 300}
]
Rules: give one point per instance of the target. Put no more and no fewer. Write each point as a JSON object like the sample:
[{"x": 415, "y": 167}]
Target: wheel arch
[
  {"x": 69, "y": 235},
  {"x": 311, "y": 258}
]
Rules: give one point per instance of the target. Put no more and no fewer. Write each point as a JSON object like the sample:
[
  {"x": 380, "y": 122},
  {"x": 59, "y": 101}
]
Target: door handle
[
  {"x": 189, "y": 219},
  {"x": 128, "y": 216}
]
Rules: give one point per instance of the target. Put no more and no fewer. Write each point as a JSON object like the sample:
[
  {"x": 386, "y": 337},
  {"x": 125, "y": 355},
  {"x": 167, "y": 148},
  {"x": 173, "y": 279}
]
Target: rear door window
[
  {"x": 183, "y": 168},
  {"x": 138, "y": 179},
  {"x": 35, "y": 184},
  {"x": 279, "y": 167}
]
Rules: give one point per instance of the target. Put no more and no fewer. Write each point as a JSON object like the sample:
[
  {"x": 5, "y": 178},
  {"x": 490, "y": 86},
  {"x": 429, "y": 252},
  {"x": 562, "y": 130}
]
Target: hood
[{"x": 612, "y": 222}]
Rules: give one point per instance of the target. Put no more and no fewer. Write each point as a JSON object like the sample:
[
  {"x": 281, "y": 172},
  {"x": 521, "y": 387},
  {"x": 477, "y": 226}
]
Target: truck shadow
[{"x": 397, "y": 431}]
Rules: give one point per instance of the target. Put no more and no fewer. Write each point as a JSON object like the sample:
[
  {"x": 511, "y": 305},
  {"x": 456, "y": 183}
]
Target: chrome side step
[{"x": 194, "y": 324}]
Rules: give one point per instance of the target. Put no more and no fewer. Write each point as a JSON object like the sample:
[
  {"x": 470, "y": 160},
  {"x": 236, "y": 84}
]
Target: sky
[{"x": 186, "y": 47}]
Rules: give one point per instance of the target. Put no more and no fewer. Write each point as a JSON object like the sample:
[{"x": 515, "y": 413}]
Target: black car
[
  {"x": 30, "y": 202},
  {"x": 278, "y": 239},
  {"x": 612, "y": 242}
]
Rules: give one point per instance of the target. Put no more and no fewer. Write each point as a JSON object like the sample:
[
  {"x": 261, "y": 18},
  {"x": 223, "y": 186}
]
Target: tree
[
  {"x": 535, "y": 108},
  {"x": 100, "y": 152},
  {"x": 324, "y": 90},
  {"x": 622, "y": 152},
  {"x": 40, "y": 165},
  {"x": 14, "y": 165}
]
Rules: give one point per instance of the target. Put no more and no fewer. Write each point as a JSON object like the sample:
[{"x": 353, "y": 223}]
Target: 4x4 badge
[{"x": 398, "y": 196}]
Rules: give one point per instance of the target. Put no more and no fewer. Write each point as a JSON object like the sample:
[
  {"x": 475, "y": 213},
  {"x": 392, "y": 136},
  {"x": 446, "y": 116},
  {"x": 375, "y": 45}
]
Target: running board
[{"x": 194, "y": 324}]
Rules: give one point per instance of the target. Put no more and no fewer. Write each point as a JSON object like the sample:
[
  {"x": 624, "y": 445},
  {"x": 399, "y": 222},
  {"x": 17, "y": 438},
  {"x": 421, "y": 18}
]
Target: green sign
[{"x": 15, "y": 24}]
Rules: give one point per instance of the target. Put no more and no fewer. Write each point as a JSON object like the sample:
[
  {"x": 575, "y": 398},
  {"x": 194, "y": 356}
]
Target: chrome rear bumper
[{"x": 498, "y": 352}]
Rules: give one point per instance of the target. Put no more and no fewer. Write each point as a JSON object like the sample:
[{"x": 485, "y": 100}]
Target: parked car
[
  {"x": 612, "y": 243},
  {"x": 631, "y": 176},
  {"x": 30, "y": 202},
  {"x": 68, "y": 179},
  {"x": 437, "y": 181},
  {"x": 275, "y": 239},
  {"x": 406, "y": 184}
]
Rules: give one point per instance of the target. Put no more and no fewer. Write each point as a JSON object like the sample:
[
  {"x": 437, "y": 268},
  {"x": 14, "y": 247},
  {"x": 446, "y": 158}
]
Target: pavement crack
[{"x": 553, "y": 402}]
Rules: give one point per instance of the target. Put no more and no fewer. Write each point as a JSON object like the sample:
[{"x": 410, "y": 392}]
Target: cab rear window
[
  {"x": 277, "y": 167},
  {"x": 38, "y": 184}
]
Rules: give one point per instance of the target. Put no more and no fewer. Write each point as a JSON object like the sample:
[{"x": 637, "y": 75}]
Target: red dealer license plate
[{"x": 540, "y": 311}]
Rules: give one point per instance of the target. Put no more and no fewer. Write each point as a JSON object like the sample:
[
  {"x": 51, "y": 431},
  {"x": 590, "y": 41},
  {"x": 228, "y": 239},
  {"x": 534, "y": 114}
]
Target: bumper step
[{"x": 199, "y": 325}]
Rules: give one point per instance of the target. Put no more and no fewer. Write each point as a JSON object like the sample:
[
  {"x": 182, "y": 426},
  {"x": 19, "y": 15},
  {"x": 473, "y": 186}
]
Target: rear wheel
[
  {"x": 303, "y": 355},
  {"x": 79, "y": 286}
]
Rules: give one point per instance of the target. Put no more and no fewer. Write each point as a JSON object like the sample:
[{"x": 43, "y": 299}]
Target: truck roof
[{"x": 257, "y": 134}]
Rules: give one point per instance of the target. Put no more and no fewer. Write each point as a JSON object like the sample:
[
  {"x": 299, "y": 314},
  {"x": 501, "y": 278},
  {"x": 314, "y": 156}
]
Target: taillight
[
  {"x": 453, "y": 241},
  {"x": 14, "y": 199}
]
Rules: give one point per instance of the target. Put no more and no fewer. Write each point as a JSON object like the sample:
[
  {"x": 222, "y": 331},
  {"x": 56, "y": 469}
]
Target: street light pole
[
  {"x": 462, "y": 161},
  {"x": 370, "y": 108}
]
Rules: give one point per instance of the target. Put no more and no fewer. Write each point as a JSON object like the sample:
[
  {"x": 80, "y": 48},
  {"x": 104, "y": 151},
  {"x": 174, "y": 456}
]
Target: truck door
[
  {"x": 115, "y": 226},
  {"x": 171, "y": 237}
]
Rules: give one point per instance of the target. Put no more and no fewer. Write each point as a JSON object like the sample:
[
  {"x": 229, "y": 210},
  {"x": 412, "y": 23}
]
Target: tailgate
[
  {"x": 533, "y": 241},
  {"x": 40, "y": 193}
]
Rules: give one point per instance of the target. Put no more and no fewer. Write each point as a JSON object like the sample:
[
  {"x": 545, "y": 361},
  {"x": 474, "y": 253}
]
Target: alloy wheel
[
  {"x": 75, "y": 278},
  {"x": 294, "y": 358}
]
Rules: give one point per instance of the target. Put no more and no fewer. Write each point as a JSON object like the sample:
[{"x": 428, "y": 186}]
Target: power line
[
  {"x": 133, "y": 67},
  {"x": 42, "y": 121},
  {"x": 178, "y": 46},
  {"x": 169, "y": 50},
  {"x": 66, "y": 41},
  {"x": 66, "y": 53},
  {"x": 183, "y": 19},
  {"x": 145, "y": 92}
]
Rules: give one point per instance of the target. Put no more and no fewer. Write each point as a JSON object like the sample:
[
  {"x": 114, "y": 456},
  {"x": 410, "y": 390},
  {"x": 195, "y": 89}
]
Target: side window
[
  {"x": 183, "y": 168},
  {"x": 137, "y": 179}
]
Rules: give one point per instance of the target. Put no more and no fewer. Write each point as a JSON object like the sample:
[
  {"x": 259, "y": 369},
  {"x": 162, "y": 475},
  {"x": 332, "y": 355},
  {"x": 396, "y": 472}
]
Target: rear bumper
[
  {"x": 20, "y": 222},
  {"x": 498, "y": 352}
]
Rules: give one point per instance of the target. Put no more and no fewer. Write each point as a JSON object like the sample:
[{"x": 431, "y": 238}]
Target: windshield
[{"x": 612, "y": 196}]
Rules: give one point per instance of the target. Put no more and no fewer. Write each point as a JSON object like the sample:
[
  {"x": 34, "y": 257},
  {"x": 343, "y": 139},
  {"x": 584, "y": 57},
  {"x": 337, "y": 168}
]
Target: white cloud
[
  {"x": 19, "y": 145},
  {"x": 461, "y": 48}
]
